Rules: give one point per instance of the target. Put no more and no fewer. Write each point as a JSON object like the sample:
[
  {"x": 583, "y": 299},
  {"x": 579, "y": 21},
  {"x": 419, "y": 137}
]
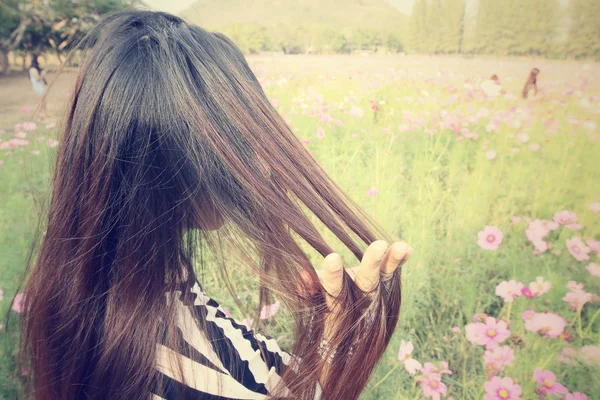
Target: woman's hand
[{"x": 377, "y": 265}]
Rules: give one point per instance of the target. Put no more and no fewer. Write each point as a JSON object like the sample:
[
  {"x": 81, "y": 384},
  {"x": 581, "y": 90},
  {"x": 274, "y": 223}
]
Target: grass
[{"x": 434, "y": 191}]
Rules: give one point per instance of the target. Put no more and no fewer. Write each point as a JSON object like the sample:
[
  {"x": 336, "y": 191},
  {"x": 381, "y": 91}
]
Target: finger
[
  {"x": 396, "y": 255},
  {"x": 367, "y": 277},
  {"x": 332, "y": 276}
]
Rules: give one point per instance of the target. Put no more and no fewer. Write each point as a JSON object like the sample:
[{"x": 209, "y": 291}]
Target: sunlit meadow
[{"x": 499, "y": 197}]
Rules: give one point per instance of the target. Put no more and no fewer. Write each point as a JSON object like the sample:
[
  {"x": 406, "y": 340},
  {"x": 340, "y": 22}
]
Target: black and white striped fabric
[{"x": 223, "y": 363}]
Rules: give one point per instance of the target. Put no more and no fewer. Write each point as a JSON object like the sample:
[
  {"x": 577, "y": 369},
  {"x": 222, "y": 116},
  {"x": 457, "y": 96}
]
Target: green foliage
[
  {"x": 584, "y": 29},
  {"x": 306, "y": 26},
  {"x": 507, "y": 27},
  {"x": 9, "y": 17},
  {"x": 35, "y": 27}
]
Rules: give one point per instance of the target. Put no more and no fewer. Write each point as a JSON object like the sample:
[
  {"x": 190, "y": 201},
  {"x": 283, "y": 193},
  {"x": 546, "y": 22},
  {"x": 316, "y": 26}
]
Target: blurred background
[
  {"x": 548, "y": 28},
  {"x": 424, "y": 112}
]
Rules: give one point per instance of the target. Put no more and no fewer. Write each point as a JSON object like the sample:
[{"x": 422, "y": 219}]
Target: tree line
[
  {"x": 509, "y": 27},
  {"x": 541, "y": 28},
  {"x": 312, "y": 39}
]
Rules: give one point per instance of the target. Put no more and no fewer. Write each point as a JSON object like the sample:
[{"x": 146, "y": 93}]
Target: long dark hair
[{"x": 167, "y": 130}]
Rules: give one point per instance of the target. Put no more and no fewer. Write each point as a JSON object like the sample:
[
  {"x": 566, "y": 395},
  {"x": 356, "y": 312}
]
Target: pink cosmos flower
[
  {"x": 540, "y": 247},
  {"x": 534, "y": 147},
  {"x": 595, "y": 207},
  {"x": 525, "y": 291},
  {"x": 576, "y": 396},
  {"x": 372, "y": 192},
  {"x": 590, "y": 355},
  {"x": 489, "y": 333},
  {"x": 528, "y": 315},
  {"x": 18, "y": 304},
  {"x": 523, "y": 137},
  {"x": 574, "y": 286},
  {"x": 565, "y": 217},
  {"x": 456, "y": 329},
  {"x": 551, "y": 225},
  {"x": 577, "y": 299},
  {"x": 24, "y": 110},
  {"x": 405, "y": 357},
  {"x": 540, "y": 286},
  {"x": 433, "y": 387},
  {"x": 594, "y": 269},
  {"x": 594, "y": 246},
  {"x": 490, "y": 154},
  {"x": 500, "y": 357},
  {"x": 269, "y": 310},
  {"x": 430, "y": 370},
  {"x": 356, "y": 112},
  {"x": 502, "y": 389},
  {"x": 536, "y": 230},
  {"x": 509, "y": 290},
  {"x": 515, "y": 219},
  {"x": 547, "y": 381},
  {"x": 490, "y": 238},
  {"x": 29, "y": 126},
  {"x": 52, "y": 143},
  {"x": 567, "y": 356},
  {"x": 304, "y": 142},
  {"x": 590, "y": 125},
  {"x": 320, "y": 133},
  {"x": 578, "y": 249},
  {"x": 546, "y": 324}
]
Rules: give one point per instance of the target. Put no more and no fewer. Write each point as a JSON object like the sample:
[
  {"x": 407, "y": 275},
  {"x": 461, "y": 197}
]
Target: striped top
[{"x": 223, "y": 363}]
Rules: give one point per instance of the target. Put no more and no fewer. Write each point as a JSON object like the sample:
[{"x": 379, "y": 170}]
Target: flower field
[{"x": 498, "y": 196}]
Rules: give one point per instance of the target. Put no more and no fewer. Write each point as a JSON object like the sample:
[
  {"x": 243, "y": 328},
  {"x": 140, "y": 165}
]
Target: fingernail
[{"x": 334, "y": 261}]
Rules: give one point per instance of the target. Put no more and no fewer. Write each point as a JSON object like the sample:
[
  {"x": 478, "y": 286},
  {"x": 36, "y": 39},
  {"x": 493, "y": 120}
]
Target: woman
[
  {"x": 38, "y": 81},
  {"x": 170, "y": 146}
]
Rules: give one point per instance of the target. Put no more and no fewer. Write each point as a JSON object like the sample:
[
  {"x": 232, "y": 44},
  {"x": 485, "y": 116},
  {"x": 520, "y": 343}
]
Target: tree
[
  {"x": 12, "y": 29},
  {"x": 435, "y": 23},
  {"x": 453, "y": 26},
  {"x": 36, "y": 26},
  {"x": 418, "y": 31},
  {"x": 584, "y": 29}
]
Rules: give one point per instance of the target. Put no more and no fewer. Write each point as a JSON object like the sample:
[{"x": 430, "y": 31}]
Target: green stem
[
  {"x": 579, "y": 330},
  {"x": 589, "y": 327},
  {"x": 385, "y": 377}
]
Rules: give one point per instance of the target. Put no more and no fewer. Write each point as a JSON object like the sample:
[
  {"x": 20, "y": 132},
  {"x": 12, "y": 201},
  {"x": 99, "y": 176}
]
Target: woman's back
[{"x": 221, "y": 357}]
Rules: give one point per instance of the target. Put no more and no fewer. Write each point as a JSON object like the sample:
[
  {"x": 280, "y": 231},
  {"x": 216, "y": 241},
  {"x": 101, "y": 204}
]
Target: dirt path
[{"x": 16, "y": 93}]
